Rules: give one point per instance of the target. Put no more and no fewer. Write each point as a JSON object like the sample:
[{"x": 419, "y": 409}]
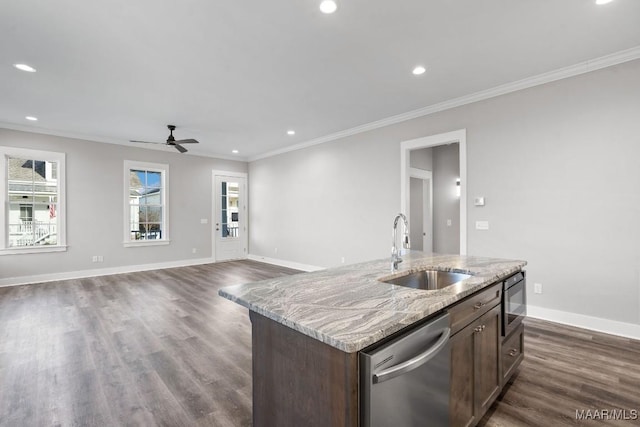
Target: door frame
[
  {"x": 456, "y": 136},
  {"x": 424, "y": 175},
  {"x": 245, "y": 240}
]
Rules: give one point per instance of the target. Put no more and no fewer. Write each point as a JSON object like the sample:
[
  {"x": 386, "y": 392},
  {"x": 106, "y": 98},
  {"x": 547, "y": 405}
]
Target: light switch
[
  {"x": 479, "y": 201},
  {"x": 204, "y": 221},
  {"x": 482, "y": 225}
]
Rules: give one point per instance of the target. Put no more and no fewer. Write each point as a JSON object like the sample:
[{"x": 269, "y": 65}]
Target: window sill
[
  {"x": 32, "y": 250},
  {"x": 146, "y": 243}
]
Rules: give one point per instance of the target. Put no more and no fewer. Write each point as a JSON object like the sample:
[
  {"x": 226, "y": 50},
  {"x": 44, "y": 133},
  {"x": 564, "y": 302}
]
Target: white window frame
[
  {"x": 49, "y": 156},
  {"x": 153, "y": 167}
]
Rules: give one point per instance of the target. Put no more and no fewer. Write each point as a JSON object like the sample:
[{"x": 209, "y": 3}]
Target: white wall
[
  {"x": 95, "y": 175},
  {"x": 557, "y": 164}
]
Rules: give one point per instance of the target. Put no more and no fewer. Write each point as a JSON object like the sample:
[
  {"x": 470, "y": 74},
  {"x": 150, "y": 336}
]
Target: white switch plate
[
  {"x": 537, "y": 288},
  {"x": 478, "y": 201},
  {"x": 482, "y": 225},
  {"x": 204, "y": 221}
]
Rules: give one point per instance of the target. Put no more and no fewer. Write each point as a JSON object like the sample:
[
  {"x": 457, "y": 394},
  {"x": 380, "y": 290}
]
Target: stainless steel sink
[{"x": 428, "y": 279}]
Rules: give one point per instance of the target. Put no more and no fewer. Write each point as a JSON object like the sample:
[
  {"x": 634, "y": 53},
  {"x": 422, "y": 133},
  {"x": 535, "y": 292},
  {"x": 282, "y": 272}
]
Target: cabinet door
[
  {"x": 487, "y": 360},
  {"x": 463, "y": 390}
]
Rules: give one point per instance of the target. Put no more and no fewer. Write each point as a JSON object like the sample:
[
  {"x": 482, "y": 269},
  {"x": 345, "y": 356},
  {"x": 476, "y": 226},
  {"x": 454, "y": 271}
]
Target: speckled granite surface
[{"x": 350, "y": 308}]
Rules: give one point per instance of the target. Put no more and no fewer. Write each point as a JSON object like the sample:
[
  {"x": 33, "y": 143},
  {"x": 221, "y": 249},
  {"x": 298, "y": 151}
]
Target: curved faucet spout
[{"x": 395, "y": 252}]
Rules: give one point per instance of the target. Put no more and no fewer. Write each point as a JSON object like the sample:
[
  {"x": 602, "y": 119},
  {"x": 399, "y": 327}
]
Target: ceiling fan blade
[
  {"x": 147, "y": 142},
  {"x": 180, "y": 148},
  {"x": 187, "y": 141}
]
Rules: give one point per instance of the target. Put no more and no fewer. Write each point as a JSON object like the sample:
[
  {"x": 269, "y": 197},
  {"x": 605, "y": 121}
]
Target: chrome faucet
[{"x": 395, "y": 252}]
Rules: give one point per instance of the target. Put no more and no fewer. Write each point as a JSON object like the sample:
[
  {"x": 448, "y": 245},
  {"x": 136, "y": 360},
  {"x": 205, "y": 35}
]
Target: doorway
[
  {"x": 230, "y": 234},
  {"x": 457, "y": 186},
  {"x": 421, "y": 206}
]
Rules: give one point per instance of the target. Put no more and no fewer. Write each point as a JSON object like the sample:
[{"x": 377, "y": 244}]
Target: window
[
  {"x": 146, "y": 203},
  {"x": 33, "y": 201}
]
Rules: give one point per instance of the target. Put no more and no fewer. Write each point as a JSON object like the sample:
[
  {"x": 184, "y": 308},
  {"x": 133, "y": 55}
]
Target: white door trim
[
  {"x": 459, "y": 136},
  {"x": 213, "y": 208},
  {"x": 427, "y": 228}
]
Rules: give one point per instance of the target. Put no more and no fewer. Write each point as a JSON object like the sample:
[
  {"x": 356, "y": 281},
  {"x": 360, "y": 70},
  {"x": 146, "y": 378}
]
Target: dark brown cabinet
[
  {"x": 476, "y": 378},
  {"x": 512, "y": 353}
]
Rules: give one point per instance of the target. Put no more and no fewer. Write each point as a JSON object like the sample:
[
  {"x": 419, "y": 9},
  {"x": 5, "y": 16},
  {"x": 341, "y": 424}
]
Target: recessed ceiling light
[
  {"x": 603, "y": 1},
  {"x": 419, "y": 70},
  {"x": 291, "y": 132},
  {"x": 25, "y": 67},
  {"x": 235, "y": 151},
  {"x": 31, "y": 118},
  {"x": 328, "y": 6}
]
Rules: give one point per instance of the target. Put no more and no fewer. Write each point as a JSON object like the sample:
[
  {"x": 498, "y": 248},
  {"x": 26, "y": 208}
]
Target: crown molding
[
  {"x": 73, "y": 135},
  {"x": 540, "y": 79}
]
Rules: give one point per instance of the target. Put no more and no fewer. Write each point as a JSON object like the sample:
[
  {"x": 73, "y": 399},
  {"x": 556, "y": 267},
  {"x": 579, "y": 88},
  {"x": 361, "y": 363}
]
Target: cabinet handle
[
  {"x": 513, "y": 352},
  {"x": 483, "y": 326},
  {"x": 479, "y": 305},
  {"x": 478, "y": 329}
]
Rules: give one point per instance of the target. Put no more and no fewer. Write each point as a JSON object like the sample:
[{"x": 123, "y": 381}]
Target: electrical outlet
[
  {"x": 537, "y": 288},
  {"x": 100, "y": 258},
  {"x": 342, "y": 260},
  {"x": 275, "y": 250},
  {"x": 448, "y": 223},
  {"x": 194, "y": 250}
]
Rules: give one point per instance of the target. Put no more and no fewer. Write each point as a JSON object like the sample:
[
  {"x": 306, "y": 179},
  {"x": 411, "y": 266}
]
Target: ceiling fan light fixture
[
  {"x": 235, "y": 151},
  {"x": 171, "y": 141},
  {"x": 328, "y": 6},
  {"x": 31, "y": 118},
  {"x": 291, "y": 132}
]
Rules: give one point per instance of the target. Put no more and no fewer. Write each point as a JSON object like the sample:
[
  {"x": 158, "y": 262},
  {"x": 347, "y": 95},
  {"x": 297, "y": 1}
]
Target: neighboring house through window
[
  {"x": 146, "y": 203},
  {"x": 32, "y": 198}
]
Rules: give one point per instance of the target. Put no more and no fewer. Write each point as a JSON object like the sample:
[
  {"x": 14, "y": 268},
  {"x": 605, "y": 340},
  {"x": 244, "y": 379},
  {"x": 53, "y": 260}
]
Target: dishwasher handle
[{"x": 414, "y": 362}]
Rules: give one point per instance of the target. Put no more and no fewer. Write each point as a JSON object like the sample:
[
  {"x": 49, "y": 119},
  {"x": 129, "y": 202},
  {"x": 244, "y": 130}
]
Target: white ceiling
[{"x": 238, "y": 74}]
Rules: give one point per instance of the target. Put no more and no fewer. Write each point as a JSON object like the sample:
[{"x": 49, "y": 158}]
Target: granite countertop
[{"x": 349, "y": 308}]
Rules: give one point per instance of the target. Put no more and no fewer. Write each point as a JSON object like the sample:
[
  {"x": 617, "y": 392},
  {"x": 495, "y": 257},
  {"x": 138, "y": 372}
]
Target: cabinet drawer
[
  {"x": 512, "y": 353},
  {"x": 475, "y": 306}
]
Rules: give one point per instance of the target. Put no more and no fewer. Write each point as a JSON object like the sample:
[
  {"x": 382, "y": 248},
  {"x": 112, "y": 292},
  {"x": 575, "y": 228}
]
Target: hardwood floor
[
  {"x": 161, "y": 348},
  {"x": 569, "y": 369},
  {"x": 150, "y": 348}
]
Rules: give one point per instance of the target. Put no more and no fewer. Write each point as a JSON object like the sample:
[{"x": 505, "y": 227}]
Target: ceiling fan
[{"x": 172, "y": 141}]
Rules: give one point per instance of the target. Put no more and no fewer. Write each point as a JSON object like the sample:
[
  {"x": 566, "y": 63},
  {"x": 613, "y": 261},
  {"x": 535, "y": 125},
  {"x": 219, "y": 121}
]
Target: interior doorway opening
[{"x": 433, "y": 192}]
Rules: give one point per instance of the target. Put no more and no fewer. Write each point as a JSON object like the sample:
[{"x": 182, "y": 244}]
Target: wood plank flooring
[
  {"x": 569, "y": 369},
  {"x": 157, "y": 348},
  {"x": 161, "y": 348}
]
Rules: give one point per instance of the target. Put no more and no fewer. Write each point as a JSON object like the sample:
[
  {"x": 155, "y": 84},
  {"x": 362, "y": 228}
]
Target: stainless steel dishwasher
[{"x": 405, "y": 382}]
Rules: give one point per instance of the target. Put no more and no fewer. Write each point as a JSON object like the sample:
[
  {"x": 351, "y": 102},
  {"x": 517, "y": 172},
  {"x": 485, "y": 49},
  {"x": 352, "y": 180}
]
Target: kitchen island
[{"x": 307, "y": 329}]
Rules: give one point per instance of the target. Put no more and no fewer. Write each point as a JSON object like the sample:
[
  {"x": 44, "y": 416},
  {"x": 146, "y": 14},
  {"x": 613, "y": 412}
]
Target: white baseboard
[
  {"x": 613, "y": 327},
  {"x": 52, "y": 277},
  {"x": 284, "y": 263}
]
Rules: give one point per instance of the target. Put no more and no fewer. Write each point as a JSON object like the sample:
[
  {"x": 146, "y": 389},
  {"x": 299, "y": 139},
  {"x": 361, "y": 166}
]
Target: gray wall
[
  {"x": 416, "y": 188},
  {"x": 421, "y": 159},
  {"x": 556, "y": 163},
  {"x": 444, "y": 163},
  {"x": 446, "y": 203},
  {"x": 95, "y": 190}
]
